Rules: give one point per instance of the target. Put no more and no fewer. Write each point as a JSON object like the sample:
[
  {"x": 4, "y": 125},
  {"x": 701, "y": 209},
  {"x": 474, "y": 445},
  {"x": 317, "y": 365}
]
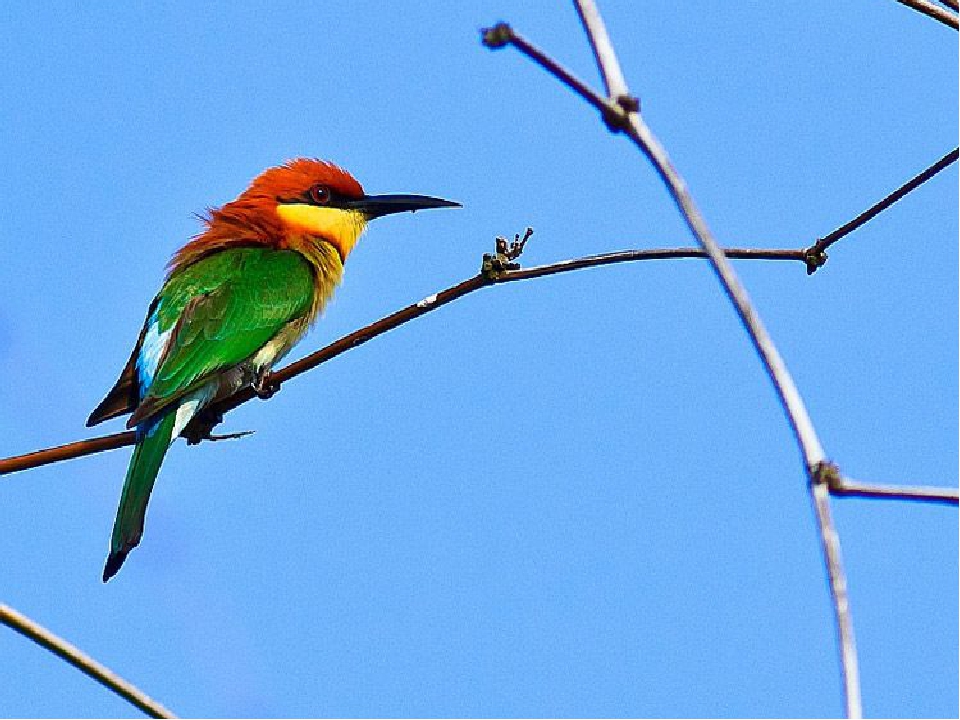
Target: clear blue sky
[{"x": 575, "y": 496}]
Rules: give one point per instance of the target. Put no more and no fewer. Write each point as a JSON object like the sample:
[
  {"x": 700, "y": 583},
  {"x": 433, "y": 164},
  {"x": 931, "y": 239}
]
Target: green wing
[{"x": 219, "y": 312}]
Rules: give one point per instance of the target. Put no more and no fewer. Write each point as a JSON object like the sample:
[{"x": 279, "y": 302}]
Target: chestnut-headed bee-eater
[{"x": 236, "y": 299}]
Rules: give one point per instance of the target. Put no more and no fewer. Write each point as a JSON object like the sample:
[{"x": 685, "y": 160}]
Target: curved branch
[
  {"x": 930, "y": 10},
  {"x": 621, "y": 113},
  {"x": 830, "y": 543},
  {"x": 83, "y": 662},
  {"x": 82, "y": 448}
]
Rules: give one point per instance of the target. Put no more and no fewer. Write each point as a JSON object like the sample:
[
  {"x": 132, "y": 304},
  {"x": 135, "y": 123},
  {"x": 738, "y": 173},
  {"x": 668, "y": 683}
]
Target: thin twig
[
  {"x": 912, "y": 184},
  {"x": 845, "y": 487},
  {"x": 502, "y": 34},
  {"x": 83, "y": 662},
  {"x": 930, "y": 10},
  {"x": 80, "y": 448},
  {"x": 952, "y": 4},
  {"x": 358, "y": 337},
  {"x": 635, "y": 255}
]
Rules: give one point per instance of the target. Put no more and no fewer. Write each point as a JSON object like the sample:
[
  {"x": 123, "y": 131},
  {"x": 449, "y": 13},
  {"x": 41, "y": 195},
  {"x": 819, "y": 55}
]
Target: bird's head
[{"x": 301, "y": 202}]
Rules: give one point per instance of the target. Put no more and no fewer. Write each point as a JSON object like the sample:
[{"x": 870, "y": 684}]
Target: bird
[{"x": 236, "y": 298}]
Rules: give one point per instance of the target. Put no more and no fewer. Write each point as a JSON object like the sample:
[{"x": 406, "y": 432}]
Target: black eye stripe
[{"x": 320, "y": 195}]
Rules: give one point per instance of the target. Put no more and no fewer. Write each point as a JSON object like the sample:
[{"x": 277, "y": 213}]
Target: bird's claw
[
  {"x": 264, "y": 389},
  {"x": 229, "y": 436},
  {"x": 201, "y": 427}
]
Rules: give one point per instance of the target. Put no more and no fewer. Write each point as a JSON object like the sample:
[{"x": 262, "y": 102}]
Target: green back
[{"x": 223, "y": 309}]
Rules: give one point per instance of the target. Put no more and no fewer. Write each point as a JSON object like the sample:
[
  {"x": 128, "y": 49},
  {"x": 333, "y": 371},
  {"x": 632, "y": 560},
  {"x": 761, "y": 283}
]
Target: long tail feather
[{"x": 141, "y": 474}]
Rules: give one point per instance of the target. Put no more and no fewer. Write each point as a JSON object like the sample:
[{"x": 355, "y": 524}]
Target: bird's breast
[
  {"x": 327, "y": 267},
  {"x": 279, "y": 345}
]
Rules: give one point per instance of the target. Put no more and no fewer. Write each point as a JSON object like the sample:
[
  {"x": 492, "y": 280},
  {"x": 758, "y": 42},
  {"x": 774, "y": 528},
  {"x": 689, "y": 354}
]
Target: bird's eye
[{"x": 319, "y": 194}]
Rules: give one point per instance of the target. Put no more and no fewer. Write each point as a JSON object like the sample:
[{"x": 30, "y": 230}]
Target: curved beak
[{"x": 374, "y": 206}]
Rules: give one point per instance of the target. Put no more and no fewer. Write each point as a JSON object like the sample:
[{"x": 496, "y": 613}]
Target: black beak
[{"x": 374, "y": 206}]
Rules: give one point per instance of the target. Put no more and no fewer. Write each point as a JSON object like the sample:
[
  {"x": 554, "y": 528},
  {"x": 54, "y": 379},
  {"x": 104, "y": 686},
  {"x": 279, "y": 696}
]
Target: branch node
[
  {"x": 496, "y": 264},
  {"x": 618, "y": 119},
  {"x": 826, "y": 473},
  {"x": 815, "y": 258},
  {"x": 498, "y": 36},
  {"x": 629, "y": 103}
]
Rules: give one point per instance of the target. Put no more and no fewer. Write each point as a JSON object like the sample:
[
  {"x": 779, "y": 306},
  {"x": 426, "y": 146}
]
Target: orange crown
[{"x": 252, "y": 218}]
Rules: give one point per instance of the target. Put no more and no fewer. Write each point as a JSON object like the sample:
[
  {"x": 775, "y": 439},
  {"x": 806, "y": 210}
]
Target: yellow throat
[{"x": 340, "y": 227}]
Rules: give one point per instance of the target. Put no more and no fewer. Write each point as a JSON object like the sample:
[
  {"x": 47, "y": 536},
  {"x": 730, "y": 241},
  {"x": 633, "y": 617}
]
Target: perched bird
[{"x": 236, "y": 299}]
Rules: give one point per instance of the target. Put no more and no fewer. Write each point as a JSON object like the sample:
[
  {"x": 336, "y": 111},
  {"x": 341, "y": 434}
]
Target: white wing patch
[
  {"x": 190, "y": 406},
  {"x": 151, "y": 350}
]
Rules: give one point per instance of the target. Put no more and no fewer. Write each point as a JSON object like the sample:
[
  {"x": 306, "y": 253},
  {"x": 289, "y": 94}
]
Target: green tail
[{"x": 144, "y": 466}]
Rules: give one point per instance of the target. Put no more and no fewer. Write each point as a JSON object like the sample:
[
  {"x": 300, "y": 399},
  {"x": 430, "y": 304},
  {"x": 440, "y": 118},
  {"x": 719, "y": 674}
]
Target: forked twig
[
  {"x": 819, "y": 247},
  {"x": 83, "y": 662}
]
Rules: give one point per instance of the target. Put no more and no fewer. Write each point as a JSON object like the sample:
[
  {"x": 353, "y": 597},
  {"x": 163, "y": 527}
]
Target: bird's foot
[
  {"x": 229, "y": 436},
  {"x": 201, "y": 427},
  {"x": 262, "y": 387}
]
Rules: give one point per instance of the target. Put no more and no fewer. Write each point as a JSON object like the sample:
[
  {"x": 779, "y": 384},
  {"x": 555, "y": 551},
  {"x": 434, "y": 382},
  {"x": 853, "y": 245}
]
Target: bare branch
[
  {"x": 845, "y": 487},
  {"x": 358, "y": 337},
  {"x": 952, "y": 4},
  {"x": 935, "y": 11},
  {"x": 790, "y": 398},
  {"x": 637, "y": 130},
  {"x": 603, "y": 52},
  {"x": 625, "y": 116},
  {"x": 830, "y": 543},
  {"x": 83, "y": 662},
  {"x": 69, "y": 451},
  {"x": 823, "y": 243},
  {"x": 654, "y": 254}
]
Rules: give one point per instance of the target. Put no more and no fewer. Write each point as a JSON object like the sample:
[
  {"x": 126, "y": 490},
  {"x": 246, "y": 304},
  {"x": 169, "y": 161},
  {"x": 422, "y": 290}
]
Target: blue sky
[{"x": 573, "y": 496}]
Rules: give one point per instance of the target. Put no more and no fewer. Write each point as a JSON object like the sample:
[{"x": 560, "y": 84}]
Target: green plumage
[
  {"x": 220, "y": 312},
  {"x": 137, "y": 486}
]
